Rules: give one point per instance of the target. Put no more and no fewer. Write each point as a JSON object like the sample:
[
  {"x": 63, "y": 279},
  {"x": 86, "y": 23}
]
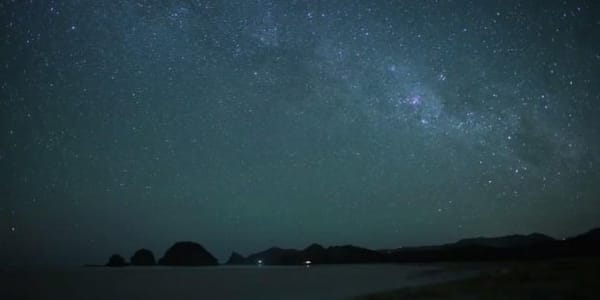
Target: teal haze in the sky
[{"x": 249, "y": 124}]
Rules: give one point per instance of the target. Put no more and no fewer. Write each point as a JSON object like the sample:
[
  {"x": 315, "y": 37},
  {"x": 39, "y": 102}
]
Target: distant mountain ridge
[
  {"x": 509, "y": 247},
  {"x": 517, "y": 246},
  {"x": 315, "y": 254},
  {"x": 516, "y": 240},
  {"x": 592, "y": 236}
]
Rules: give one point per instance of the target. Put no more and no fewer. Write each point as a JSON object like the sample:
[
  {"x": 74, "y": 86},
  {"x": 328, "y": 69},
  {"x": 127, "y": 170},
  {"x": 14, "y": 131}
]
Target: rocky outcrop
[
  {"x": 188, "y": 254},
  {"x": 116, "y": 260},
  {"x": 143, "y": 257},
  {"x": 236, "y": 259}
]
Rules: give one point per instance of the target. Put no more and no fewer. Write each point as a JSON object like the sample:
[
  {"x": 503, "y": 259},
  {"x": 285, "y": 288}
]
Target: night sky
[{"x": 247, "y": 124}]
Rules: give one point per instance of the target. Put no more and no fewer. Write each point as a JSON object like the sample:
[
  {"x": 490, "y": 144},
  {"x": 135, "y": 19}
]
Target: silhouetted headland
[{"x": 511, "y": 247}]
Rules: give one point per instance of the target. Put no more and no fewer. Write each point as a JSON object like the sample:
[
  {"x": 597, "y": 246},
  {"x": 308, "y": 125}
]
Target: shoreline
[{"x": 566, "y": 278}]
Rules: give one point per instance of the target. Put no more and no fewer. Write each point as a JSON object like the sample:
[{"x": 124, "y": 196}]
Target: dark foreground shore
[{"x": 551, "y": 279}]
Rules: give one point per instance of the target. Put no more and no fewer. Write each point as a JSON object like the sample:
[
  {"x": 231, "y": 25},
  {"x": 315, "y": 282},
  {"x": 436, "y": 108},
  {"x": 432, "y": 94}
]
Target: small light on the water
[
  {"x": 260, "y": 262},
  {"x": 307, "y": 263}
]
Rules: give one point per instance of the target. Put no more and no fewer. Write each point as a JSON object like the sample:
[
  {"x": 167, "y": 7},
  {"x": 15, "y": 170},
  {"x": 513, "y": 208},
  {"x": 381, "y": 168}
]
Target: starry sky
[{"x": 247, "y": 124}]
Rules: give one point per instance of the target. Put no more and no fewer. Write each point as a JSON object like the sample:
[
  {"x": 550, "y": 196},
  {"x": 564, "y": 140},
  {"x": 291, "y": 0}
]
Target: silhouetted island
[
  {"x": 143, "y": 257},
  {"x": 116, "y": 260},
  {"x": 511, "y": 247},
  {"x": 188, "y": 254}
]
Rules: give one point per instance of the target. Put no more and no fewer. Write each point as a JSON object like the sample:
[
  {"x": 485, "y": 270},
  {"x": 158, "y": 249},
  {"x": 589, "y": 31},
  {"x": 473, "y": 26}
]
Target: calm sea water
[{"x": 247, "y": 282}]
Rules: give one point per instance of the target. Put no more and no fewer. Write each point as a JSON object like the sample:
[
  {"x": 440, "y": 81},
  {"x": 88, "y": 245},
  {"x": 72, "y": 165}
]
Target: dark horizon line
[{"x": 548, "y": 238}]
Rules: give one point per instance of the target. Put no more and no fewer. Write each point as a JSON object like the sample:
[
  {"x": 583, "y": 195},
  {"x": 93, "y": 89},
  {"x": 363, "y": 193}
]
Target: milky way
[{"x": 248, "y": 124}]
